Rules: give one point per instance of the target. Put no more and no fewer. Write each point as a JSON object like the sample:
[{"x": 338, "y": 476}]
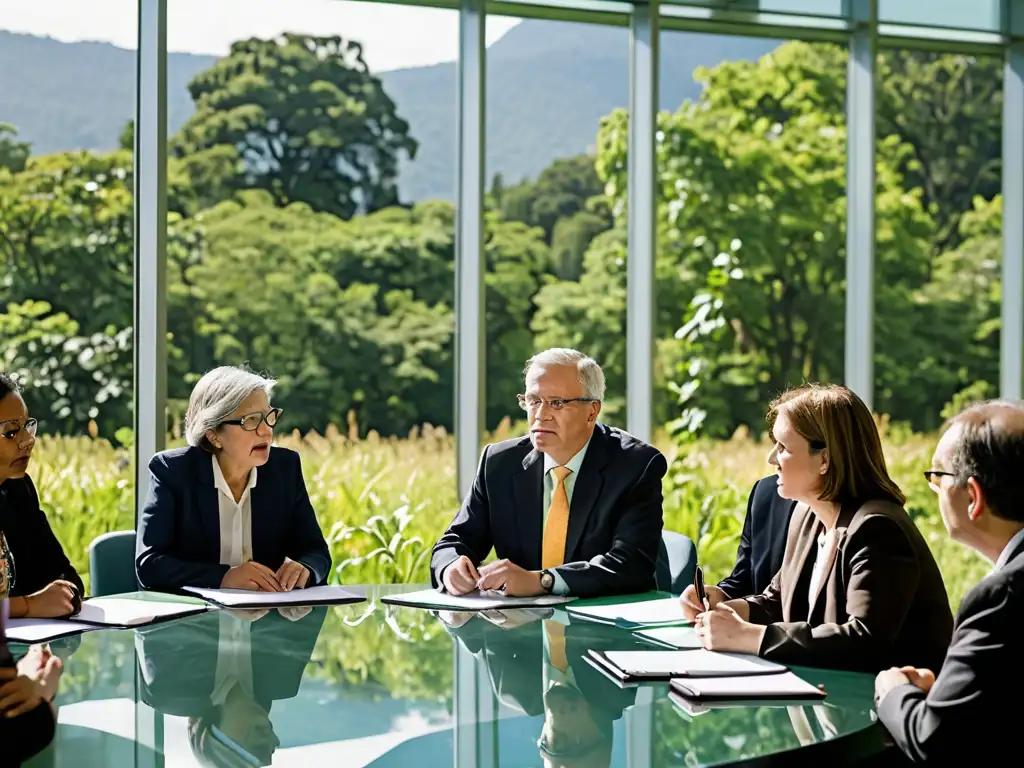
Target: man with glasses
[
  {"x": 976, "y": 473},
  {"x": 574, "y": 508},
  {"x": 35, "y": 573}
]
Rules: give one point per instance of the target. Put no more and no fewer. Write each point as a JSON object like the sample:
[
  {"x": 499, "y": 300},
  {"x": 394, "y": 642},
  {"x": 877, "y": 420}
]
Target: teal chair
[
  {"x": 112, "y": 564},
  {"x": 677, "y": 562}
]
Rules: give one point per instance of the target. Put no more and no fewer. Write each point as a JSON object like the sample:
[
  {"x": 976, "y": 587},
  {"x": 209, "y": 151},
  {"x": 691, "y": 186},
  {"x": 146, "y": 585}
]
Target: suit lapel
[
  {"x": 805, "y": 545},
  {"x": 842, "y": 524},
  {"x": 586, "y": 491},
  {"x": 528, "y": 512},
  {"x": 261, "y": 533},
  {"x": 209, "y": 509}
]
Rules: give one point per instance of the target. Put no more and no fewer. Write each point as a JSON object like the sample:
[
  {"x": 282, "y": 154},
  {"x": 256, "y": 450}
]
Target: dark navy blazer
[{"x": 178, "y": 542}]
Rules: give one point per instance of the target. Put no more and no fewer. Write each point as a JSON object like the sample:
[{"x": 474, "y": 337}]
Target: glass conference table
[{"x": 378, "y": 685}]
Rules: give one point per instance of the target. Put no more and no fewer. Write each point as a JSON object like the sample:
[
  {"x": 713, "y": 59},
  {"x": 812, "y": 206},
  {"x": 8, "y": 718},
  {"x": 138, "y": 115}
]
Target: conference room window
[
  {"x": 67, "y": 101},
  {"x": 939, "y": 232},
  {"x": 557, "y": 93}
]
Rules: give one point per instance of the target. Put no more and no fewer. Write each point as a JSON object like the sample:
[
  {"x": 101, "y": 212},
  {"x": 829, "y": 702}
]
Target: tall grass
[{"x": 382, "y": 502}]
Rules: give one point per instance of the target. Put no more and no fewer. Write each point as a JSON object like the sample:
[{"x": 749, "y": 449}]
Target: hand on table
[
  {"x": 692, "y": 607},
  {"x": 516, "y": 581},
  {"x": 461, "y": 576},
  {"x": 922, "y": 678},
  {"x": 33, "y": 681},
  {"x": 292, "y": 575},
  {"x": 251, "y": 575},
  {"x": 723, "y": 629},
  {"x": 55, "y": 600}
]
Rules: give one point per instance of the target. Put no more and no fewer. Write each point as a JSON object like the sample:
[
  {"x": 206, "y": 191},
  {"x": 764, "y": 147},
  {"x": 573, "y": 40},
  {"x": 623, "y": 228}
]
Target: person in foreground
[
  {"x": 207, "y": 522},
  {"x": 34, "y": 571},
  {"x": 572, "y": 509},
  {"x": 976, "y": 472},
  {"x": 858, "y": 588},
  {"x": 760, "y": 553},
  {"x": 27, "y": 716}
]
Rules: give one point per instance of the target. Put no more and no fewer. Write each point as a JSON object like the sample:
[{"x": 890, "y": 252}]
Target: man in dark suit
[
  {"x": 573, "y": 509},
  {"x": 540, "y": 667},
  {"x": 976, "y": 472},
  {"x": 762, "y": 545}
]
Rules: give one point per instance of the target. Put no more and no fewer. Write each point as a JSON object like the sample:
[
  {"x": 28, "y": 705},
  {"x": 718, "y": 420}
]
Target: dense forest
[{"x": 292, "y": 247}]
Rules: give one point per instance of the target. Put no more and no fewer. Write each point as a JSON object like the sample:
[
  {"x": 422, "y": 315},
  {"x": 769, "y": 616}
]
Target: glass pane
[
  {"x": 67, "y": 100},
  {"x": 957, "y": 14},
  {"x": 552, "y": 231},
  {"x": 313, "y": 238},
  {"x": 830, "y": 8}
]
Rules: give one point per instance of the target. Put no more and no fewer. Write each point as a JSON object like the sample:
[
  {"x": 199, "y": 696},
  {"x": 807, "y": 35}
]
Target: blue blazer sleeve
[
  {"x": 740, "y": 582},
  {"x": 306, "y": 543},
  {"x": 155, "y": 566}
]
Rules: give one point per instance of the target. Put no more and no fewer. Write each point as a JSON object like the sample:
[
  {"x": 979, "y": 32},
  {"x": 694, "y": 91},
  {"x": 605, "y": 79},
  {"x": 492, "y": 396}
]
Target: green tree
[
  {"x": 301, "y": 117},
  {"x": 13, "y": 153}
]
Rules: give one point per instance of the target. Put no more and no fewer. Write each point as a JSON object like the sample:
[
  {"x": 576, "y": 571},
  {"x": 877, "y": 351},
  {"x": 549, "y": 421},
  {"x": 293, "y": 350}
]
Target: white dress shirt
[
  {"x": 819, "y": 564},
  {"x": 235, "y": 519},
  {"x": 573, "y": 465}
]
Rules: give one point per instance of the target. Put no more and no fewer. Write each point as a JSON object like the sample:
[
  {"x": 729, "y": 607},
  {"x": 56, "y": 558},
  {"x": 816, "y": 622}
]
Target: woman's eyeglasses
[
  {"x": 10, "y": 430},
  {"x": 251, "y": 421}
]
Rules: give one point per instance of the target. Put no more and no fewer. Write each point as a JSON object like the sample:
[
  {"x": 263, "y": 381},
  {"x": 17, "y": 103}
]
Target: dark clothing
[
  {"x": 880, "y": 602},
  {"x": 968, "y": 715},
  {"x": 179, "y": 529},
  {"x": 763, "y": 541},
  {"x": 38, "y": 557},
  {"x": 615, "y": 517},
  {"x": 27, "y": 734}
]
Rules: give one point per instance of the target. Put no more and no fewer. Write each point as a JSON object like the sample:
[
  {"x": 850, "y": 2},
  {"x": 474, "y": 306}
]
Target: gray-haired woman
[{"x": 207, "y": 522}]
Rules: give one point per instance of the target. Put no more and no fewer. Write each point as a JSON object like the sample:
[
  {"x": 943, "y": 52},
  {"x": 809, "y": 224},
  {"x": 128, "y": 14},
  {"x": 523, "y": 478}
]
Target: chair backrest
[
  {"x": 677, "y": 562},
  {"x": 112, "y": 564}
]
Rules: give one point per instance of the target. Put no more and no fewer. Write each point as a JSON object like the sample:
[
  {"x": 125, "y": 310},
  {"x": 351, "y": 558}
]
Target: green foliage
[
  {"x": 13, "y": 153},
  {"x": 301, "y": 117}
]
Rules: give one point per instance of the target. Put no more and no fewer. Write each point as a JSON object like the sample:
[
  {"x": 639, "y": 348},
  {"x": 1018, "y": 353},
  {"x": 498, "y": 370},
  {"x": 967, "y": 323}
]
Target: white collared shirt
[
  {"x": 235, "y": 519},
  {"x": 819, "y": 564},
  {"x": 234, "y": 658},
  {"x": 1011, "y": 545}
]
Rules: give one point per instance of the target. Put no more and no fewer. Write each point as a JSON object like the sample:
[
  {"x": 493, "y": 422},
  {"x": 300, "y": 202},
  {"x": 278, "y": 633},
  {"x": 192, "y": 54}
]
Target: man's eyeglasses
[
  {"x": 932, "y": 475},
  {"x": 532, "y": 402},
  {"x": 251, "y": 421},
  {"x": 10, "y": 430}
]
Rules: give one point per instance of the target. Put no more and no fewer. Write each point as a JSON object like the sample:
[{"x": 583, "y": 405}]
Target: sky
[{"x": 393, "y": 36}]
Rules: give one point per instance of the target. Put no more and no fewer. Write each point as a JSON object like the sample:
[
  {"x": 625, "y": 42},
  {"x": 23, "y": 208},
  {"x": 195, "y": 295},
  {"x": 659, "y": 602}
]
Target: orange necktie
[
  {"x": 553, "y": 553},
  {"x": 555, "y": 631}
]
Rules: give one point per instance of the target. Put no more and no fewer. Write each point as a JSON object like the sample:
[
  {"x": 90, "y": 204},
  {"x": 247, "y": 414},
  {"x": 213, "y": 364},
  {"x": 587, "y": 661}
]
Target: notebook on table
[
  {"x": 747, "y": 689},
  {"x": 635, "y": 615},
  {"x": 247, "y": 598},
  {"x": 474, "y": 601},
  {"x": 679, "y": 638},
  {"x": 100, "y": 613},
  {"x": 640, "y": 666}
]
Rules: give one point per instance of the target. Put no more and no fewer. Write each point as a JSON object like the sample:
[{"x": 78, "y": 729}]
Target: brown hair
[
  {"x": 831, "y": 417},
  {"x": 990, "y": 448}
]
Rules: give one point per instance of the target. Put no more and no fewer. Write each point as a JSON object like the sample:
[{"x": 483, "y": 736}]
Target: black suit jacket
[
  {"x": 39, "y": 558},
  {"x": 979, "y": 679},
  {"x": 514, "y": 661},
  {"x": 178, "y": 660},
  {"x": 763, "y": 541},
  {"x": 178, "y": 542},
  {"x": 615, "y": 518}
]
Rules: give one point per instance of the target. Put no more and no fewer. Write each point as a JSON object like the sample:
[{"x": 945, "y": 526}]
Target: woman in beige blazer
[{"x": 858, "y": 588}]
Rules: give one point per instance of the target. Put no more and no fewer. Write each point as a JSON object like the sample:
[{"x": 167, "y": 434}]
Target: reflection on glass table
[{"x": 372, "y": 684}]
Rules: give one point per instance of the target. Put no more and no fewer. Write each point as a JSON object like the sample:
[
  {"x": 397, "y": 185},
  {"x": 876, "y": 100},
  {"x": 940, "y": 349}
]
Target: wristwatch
[{"x": 547, "y": 581}]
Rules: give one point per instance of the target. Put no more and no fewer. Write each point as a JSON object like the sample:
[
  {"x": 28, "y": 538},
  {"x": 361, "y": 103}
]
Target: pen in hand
[{"x": 702, "y": 595}]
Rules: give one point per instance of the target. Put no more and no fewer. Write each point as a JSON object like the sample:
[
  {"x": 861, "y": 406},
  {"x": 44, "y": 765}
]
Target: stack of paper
[
  {"x": 474, "y": 601},
  {"x": 785, "y": 685},
  {"x": 640, "y": 666},
  {"x": 636, "y": 615},
  {"x": 97, "y": 613},
  {"x": 245, "y": 598},
  {"x": 681, "y": 638}
]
